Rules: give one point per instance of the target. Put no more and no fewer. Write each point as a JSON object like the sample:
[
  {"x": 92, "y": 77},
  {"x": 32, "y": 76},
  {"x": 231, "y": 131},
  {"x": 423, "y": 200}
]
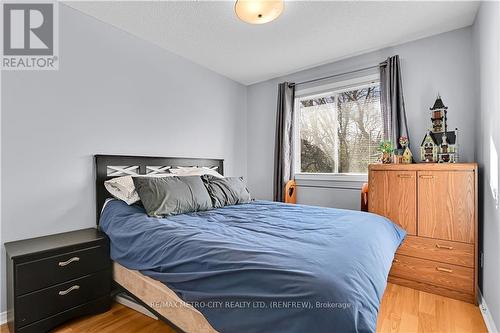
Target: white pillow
[
  {"x": 195, "y": 171},
  {"x": 123, "y": 187}
]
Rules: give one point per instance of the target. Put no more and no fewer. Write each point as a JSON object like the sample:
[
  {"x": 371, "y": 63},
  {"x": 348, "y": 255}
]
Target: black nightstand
[{"x": 55, "y": 278}]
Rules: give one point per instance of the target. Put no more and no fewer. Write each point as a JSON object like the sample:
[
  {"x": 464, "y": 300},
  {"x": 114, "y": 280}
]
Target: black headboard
[{"x": 110, "y": 166}]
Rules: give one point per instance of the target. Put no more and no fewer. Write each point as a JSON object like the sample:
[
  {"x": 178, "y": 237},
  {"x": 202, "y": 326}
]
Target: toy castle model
[{"x": 439, "y": 144}]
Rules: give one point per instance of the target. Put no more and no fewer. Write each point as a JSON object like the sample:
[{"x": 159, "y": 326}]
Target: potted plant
[{"x": 386, "y": 148}]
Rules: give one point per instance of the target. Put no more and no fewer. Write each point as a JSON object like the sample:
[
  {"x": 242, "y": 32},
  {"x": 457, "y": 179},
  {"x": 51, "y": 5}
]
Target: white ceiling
[{"x": 307, "y": 34}]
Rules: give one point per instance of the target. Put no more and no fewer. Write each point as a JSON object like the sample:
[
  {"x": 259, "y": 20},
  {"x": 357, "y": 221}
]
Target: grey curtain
[
  {"x": 392, "y": 101},
  {"x": 283, "y": 151}
]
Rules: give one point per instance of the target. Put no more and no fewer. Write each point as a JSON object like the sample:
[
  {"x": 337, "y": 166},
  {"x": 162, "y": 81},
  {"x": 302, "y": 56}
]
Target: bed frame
[{"x": 141, "y": 288}]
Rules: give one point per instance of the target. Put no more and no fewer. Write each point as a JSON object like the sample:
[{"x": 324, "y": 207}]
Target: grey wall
[
  {"x": 487, "y": 47},
  {"x": 442, "y": 63},
  {"x": 113, "y": 93}
]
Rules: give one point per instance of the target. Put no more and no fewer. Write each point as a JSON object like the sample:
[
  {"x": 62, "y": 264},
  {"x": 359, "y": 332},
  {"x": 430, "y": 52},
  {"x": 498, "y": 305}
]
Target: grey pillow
[
  {"x": 172, "y": 195},
  {"x": 227, "y": 191}
]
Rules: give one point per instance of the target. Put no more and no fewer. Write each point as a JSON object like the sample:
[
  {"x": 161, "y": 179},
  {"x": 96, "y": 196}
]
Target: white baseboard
[
  {"x": 3, "y": 317},
  {"x": 488, "y": 319}
]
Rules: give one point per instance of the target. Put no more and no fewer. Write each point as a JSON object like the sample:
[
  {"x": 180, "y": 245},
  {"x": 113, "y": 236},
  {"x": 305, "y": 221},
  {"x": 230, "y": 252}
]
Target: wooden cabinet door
[
  {"x": 393, "y": 194},
  {"x": 446, "y": 205},
  {"x": 377, "y": 185}
]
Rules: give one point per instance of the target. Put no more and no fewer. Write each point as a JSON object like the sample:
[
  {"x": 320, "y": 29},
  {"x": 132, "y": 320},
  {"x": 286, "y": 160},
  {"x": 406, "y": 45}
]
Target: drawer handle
[
  {"x": 427, "y": 177},
  {"x": 395, "y": 260},
  {"x": 405, "y": 176},
  {"x": 69, "y": 261},
  {"x": 442, "y": 269},
  {"x": 70, "y": 289},
  {"x": 444, "y": 247}
]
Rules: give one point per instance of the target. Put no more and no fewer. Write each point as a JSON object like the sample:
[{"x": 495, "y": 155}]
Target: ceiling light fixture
[{"x": 258, "y": 11}]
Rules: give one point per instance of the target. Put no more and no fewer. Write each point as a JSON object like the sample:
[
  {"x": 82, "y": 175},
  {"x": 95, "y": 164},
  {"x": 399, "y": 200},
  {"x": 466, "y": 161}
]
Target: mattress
[{"x": 263, "y": 266}]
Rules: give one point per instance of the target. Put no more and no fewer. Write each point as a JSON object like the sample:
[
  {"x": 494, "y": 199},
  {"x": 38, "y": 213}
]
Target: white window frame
[{"x": 340, "y": 179}]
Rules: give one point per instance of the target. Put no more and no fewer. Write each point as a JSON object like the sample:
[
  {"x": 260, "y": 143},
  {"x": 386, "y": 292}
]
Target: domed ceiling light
[{"x": 258, "y": 11}]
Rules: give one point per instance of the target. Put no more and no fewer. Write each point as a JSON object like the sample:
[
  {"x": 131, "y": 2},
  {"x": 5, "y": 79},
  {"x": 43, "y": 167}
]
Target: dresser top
[
  {"x": 52, "y": 242},
  {"x": 425, "y": 167}
]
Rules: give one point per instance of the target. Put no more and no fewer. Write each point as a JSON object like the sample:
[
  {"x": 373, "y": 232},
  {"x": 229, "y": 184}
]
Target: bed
[{"x": 256, "y": 267}]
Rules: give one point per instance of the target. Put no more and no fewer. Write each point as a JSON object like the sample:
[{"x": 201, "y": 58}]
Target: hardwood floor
[
  {"x": 403, "y": 310},
  {"x": 408, "y": 310}
]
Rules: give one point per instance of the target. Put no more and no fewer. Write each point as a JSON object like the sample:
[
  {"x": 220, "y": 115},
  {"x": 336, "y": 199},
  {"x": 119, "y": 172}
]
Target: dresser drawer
[
  {"x": 46, "y": 302},
  {"x": 438, "y": 250},
  {"x": 34, "y": 275},
  {"x": 435, "y": 273}
]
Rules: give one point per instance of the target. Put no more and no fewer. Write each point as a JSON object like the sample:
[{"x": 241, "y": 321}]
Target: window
[{"x": 339, "y": 129}]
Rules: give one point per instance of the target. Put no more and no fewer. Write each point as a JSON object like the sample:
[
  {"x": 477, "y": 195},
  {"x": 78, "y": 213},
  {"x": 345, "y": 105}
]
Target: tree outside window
[{"x": 340, "y": 130}]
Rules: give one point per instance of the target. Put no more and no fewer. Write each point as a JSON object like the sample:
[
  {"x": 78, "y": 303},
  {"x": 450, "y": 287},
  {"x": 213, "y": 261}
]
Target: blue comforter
[{"x": 263, "y": 266}]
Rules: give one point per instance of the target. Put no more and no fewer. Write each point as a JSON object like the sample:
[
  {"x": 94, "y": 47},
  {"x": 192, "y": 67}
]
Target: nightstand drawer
[
  {"x": 34, "y": 275},
  {"x": 43, "y": 303}
]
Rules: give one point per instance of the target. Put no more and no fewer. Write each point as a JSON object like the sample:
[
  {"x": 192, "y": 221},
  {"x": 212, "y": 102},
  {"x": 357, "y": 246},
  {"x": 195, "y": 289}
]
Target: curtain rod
[{"x": 338, "y": 74}]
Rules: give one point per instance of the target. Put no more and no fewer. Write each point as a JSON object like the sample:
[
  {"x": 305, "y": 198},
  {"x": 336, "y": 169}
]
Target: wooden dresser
[{"x": 437, "y": 206}]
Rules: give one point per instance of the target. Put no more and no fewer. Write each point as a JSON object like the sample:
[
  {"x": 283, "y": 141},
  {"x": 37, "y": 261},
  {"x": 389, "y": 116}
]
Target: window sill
[
  {"x": 352, "y": 177},
  {"x": 342, "y": 181}
]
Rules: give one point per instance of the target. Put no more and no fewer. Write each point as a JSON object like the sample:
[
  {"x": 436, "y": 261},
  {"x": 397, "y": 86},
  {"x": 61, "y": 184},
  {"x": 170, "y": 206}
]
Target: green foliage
[{"x": 385, "y": 146}]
